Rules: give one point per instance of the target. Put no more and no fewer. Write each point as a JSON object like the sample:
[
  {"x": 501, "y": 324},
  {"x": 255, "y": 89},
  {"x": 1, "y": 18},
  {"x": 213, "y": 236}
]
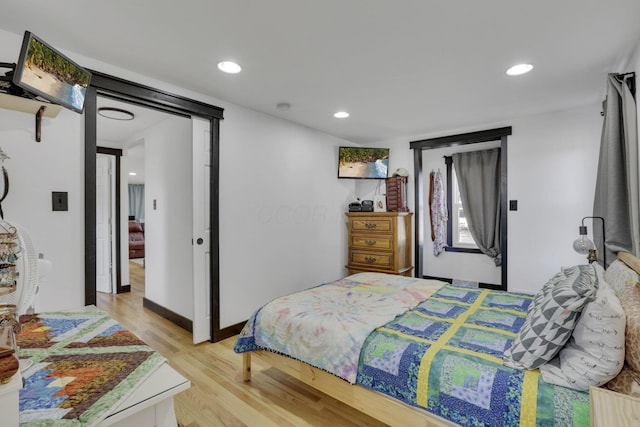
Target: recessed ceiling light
[
  {"x": 519, "y": 69},
  {"x": 115, "y": 113},
  {"x": 132, "y": 173},
  {"x": 229, "y": 67},
  {"x": 341, "y": 115}
]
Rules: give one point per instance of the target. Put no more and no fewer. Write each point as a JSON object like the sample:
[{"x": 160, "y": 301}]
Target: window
[{"x": 461, "y": 236}]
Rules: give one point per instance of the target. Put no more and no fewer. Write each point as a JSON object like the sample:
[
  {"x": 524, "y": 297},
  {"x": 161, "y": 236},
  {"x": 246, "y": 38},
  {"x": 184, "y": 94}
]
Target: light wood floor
[{"x": 218, "y": 396}]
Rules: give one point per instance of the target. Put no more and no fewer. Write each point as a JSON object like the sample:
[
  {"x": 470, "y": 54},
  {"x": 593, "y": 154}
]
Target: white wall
[
  {"x": 282, "y": 218},
  {"x": 282, "y": 226},
  {"x": 35, "y": 170},
  {"x": 552, "y": 163},
  {"x": 553, "y": 160}
]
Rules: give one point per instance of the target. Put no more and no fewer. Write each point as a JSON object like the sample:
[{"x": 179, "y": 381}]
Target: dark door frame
[
  {"x": 498, "y": 134},
  {"x": 117, "y": 153},
  {"x": 124, "y": 90}
]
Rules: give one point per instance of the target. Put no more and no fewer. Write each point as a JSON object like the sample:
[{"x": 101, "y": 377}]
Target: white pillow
[{"x": 595, "y": 352}]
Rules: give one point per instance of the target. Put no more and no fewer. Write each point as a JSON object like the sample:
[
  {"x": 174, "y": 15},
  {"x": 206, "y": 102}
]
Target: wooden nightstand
[{"x": 609, "y": 408}]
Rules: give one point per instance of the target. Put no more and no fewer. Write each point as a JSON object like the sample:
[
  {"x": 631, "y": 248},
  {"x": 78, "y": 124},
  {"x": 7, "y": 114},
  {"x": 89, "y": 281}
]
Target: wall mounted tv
[
  {"x": 45, "y": 72},
  {"x": 363, "y": 163}
]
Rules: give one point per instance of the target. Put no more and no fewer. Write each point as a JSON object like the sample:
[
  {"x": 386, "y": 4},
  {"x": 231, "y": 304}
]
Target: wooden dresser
[{"x": 380, "y": 241}]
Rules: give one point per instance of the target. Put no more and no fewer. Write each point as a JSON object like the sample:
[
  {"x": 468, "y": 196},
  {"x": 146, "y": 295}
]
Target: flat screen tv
[
  {"x": 45, "y": 72},
  {"x": 363, "y": 163}
]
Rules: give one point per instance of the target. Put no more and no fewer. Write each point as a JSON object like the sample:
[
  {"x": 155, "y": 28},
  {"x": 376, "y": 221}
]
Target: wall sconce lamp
[{"x": 585, "y": 246}]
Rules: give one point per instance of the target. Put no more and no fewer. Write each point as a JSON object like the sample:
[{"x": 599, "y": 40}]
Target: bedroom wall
[
  {"x": 552, "y": 162},
  {"x": 281, "y": 207}
]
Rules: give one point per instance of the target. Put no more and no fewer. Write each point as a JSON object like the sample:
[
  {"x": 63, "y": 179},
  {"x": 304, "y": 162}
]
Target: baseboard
[
  {"x": 125, "y": 288},
  {"x": 174, "y": 318},
  {"x": 230, "y": 331}
]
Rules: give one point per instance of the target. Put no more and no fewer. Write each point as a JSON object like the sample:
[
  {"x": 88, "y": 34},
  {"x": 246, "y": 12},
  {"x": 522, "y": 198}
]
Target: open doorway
[
  {"x": 155, "y": 204},
  {"x": 120, "y": 173},
  {"x": 116, "y": 88}
]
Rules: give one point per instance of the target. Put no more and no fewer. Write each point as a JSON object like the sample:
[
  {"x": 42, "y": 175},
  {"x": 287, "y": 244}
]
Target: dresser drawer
[
  {"x": 379, "y": 260},
  {"x": 371, "y": 224},
  {"x": 372, "y": 241}
]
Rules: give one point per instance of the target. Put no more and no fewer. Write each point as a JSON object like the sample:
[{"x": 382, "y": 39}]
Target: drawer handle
[
  {"x": 370, "y": 242},
  {"x": 370, "y": 259},
  {"x": 370, "y": 225}
]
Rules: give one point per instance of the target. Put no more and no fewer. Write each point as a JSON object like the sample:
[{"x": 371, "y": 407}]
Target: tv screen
[
  {"x": 45, "y": 72},
  {"x": 363, "y": 163}
]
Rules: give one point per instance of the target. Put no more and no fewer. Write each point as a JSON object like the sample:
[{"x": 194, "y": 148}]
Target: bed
[{"x": 420, "y": 352}]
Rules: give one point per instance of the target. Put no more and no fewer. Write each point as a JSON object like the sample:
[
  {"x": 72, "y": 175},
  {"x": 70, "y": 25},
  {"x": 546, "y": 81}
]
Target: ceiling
[{"x": 400, "y": 68}]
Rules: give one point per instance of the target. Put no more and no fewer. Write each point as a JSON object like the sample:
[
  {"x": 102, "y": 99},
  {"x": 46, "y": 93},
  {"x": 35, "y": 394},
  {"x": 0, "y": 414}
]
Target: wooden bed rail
[{"x": 377, "y": 405}]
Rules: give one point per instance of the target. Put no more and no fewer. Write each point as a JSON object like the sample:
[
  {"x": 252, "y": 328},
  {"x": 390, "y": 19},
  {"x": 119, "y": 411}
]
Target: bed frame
[{"x": 377, "y": 405}]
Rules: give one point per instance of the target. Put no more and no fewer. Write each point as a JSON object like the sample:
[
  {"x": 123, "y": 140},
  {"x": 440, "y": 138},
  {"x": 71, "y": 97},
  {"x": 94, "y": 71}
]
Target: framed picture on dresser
[{"x": 379, "y": 203}]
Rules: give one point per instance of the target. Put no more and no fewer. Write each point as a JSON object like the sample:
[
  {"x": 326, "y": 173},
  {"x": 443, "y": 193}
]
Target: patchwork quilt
[
  {"x": 84, "y": 364},
  {"x": 444, "y": 354}
]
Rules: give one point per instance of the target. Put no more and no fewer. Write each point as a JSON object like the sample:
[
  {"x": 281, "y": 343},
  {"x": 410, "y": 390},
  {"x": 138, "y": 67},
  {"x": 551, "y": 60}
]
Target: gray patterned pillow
[
  {"x": 552, "y": 317},
  {"x": 595, "y": 352}
]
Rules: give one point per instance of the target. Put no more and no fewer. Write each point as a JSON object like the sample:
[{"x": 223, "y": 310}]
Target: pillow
[
  {"x": 594, "y": 354},
  {"x": 619, "y": 276},
  {"x": 627, "y": 382},
  {"x": 551, "y": 318},
  {"x": 630, "y": 300},
  {"x": 630, "y": 260}
]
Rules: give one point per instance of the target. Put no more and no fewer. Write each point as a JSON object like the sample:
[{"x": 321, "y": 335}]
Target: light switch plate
[{"x": 60, "y": 200}]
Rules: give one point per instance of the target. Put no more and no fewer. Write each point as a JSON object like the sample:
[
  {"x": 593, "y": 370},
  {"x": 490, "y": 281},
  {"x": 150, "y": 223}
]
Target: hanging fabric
[
  {"x": 439, "y": 214},
  {"x": 478, "y": 174},
  {"x": 618, "y": 182},
  {"x": 431, "y": 177},
  {"x": 136, "y": 201}
]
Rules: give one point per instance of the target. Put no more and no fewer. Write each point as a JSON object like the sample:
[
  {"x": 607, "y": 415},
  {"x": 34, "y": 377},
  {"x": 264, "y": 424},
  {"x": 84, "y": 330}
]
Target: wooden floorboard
[{"x": 218, "y": 396}]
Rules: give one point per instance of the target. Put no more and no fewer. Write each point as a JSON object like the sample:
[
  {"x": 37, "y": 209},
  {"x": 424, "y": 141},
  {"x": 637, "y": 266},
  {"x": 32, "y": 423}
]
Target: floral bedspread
[{"x": 326, "y": 326}]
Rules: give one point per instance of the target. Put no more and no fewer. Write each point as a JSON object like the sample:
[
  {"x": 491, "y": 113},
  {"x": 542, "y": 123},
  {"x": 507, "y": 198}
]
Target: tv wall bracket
[{"x": 15, "y": 98}]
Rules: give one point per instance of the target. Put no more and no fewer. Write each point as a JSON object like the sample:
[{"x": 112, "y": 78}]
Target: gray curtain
[
  {"x": 136, "y": 201},
  {"x": 478, "y": 174},
  {"x": 617, "y": 183}
]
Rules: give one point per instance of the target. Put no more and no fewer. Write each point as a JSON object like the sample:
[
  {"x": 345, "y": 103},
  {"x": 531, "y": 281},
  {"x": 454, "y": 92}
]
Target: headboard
[{"x": 624, "y": 277}]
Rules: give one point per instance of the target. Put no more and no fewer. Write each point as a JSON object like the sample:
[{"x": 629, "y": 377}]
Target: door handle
[{"x": 199, "y": 241}]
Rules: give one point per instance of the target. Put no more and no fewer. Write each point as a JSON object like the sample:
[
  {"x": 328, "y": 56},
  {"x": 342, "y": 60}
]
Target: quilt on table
[
  {"x": 445, "y": 355},
  {"x": 84, "y": 364},
  {"x": 326, "y": 326}
]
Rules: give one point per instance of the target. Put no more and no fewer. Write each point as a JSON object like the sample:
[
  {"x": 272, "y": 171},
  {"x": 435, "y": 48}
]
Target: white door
[
  {"x": 104, "y": 276},
  {"x": 201, "y": 230}
]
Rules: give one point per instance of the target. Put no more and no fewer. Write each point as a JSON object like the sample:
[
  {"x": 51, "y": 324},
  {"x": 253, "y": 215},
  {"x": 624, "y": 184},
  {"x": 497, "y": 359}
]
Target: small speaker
[{"x": 367, "y": 206}]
